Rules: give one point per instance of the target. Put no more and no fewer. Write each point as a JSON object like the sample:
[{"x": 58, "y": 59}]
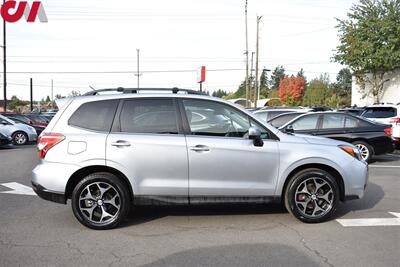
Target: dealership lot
[{"x": 35, "y": 232}]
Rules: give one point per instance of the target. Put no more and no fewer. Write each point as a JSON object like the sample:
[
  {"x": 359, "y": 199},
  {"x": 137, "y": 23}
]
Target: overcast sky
[{"x": 103, "y": 35}]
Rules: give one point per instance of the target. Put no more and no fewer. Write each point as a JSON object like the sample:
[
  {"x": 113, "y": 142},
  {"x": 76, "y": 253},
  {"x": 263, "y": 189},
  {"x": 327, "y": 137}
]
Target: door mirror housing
[
  {"x": 4, "y": 123},
  {"x": 255, "y": 134},
  {"x": 289, "y": 129}
]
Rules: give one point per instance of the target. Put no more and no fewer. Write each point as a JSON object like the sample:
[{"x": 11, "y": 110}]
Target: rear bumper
[{"x": 49, "y": 195}]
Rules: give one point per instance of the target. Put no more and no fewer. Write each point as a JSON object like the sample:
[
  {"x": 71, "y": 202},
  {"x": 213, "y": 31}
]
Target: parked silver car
[
  {"x": 20, "y": 133},
  {"x": 109, "y": 152}
]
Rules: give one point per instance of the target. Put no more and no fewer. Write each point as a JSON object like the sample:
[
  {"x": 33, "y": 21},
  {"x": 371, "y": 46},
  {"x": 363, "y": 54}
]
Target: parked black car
[
  {"x": 5, "y": 140},
  {"x": 371, "y": 138}
]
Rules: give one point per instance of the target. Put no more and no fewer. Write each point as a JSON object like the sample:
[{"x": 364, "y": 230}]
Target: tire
[
  {"x": 106, "y": 205},
  {"x": 312, "y": 207},
  {"x": 20, "y": 138},
  {"x": 365, "y": 149}
]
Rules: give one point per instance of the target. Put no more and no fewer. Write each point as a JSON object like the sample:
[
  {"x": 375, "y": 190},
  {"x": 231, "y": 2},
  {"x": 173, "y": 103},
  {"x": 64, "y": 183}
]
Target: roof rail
[{"x": 174, "y": 90}]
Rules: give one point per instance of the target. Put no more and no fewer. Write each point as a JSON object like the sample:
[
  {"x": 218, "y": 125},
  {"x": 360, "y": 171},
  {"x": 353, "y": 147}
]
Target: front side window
[
  {"x": 215, "y": 119},
  {"x": 156, "y": 116},
  {"x": 306, "y": 123},
  {"x": 96, "y": 116}
]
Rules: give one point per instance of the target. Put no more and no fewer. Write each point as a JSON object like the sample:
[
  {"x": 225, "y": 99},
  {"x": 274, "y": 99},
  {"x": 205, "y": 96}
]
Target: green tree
[
  {"x": 48, "y": 100},
  {"x": 301, "y": 74},
  {"x": 219, "y": 93},
  {"x": 317, "y": 92},
  {"x": 277, "y": 75},
  {"x": 370, "y": 43},
  {"x": 342, "y": 87},
  {"x": 264, "y": 89}
]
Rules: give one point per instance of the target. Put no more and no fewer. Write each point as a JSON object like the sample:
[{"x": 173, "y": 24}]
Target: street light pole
[
  {"x": 138, "y": 69},
  {"x": 4, "y": 64}
]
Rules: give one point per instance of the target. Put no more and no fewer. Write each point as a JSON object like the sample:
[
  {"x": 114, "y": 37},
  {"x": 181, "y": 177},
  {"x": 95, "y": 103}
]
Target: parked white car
[
  {"x": 20, "y": 133},
  {"x": 386, "y": 114}
]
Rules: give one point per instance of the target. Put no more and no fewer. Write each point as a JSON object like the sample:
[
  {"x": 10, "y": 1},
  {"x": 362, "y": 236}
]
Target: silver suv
[{"x": 108, "y": 152}]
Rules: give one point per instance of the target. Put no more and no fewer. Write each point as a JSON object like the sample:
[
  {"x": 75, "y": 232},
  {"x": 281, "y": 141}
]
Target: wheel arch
[
  {"x": 83, "y": 172},
  {"x": 332, "y": 171}
]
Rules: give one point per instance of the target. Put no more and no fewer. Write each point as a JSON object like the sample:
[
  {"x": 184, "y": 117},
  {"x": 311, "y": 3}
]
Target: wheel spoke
[
  {"x": 90, "y": 211},
  {"x": 101, "y": 189},
  {"x": 105, "y": 214},
  {"x": 305, "y": 189},
  {"x": 318, "y": 185},
  {"x": 325, "y": 197},
  {"x": 89, "y": 195},
  {"x": 317, "y": 208},
  {"x": 112, "y": 201}
]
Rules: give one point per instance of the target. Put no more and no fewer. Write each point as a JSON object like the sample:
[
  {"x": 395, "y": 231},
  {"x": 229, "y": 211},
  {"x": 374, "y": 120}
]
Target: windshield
[{"x": 6, "y": 119}]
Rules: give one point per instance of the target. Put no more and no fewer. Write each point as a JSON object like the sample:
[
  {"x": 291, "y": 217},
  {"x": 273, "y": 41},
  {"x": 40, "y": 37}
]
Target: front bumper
[{"x": 46, "y": 194}]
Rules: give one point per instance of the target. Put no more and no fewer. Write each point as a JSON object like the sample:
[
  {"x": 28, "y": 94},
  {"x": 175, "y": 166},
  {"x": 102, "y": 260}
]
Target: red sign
[
  {"x": 201, "y": 74},
  {"x": 11, "y": 13}
]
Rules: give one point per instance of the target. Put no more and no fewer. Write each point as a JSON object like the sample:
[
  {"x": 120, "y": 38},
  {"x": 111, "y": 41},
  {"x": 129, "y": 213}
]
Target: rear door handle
[
  {"x": 200, "y": 148},
  {"x": 121, "y": 143}
]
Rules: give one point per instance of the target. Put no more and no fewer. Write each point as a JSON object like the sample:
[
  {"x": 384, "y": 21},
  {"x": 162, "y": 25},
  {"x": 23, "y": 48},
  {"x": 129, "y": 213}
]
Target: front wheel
[
  {"x": 100, "y": 201},
  {"x": 20, "y": 138},
  {"x": 312, "y": 195}
]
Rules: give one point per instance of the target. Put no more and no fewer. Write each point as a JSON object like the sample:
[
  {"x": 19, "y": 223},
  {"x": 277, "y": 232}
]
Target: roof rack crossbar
[{"x": 174, "y": 90}]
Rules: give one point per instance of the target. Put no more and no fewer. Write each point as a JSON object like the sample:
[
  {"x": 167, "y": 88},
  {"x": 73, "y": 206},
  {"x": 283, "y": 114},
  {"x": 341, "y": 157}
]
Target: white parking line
[
  {"x": 383, "y": 166},
  {"x": 372, "y": 221},
  {"x": 18, "y": 189}
]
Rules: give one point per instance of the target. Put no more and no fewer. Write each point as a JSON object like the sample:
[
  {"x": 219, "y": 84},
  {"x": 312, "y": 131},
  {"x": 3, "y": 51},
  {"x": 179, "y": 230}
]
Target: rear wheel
[
  {"x": 366, "y": 150},
  {"x": 20, "y": 138},
  {"x": 312, "y": 195},
  {"x": 100, "y": 201}
]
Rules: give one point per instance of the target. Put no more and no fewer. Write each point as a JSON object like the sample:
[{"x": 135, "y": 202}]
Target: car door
[
  {"x": 333, "y": 126},
  {"x": 307, "y": 124},
  {"x": 147, "y": 145},
  {"x": 222, "y": 160},
  {"x": 6, "y": 126}
]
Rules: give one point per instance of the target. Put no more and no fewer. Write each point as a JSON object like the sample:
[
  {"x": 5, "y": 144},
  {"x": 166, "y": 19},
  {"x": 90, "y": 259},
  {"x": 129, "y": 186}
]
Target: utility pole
[
  {"x": 138, "y": 68},
  {"x": 247, "y": 59},
  {"x": 52, "y": 95},
  {"x": 31, "y": 84},
  {"x": 257, "y": 91},
  {"x": 4, "y": 63},
  {"x": 251, "y": 77}
]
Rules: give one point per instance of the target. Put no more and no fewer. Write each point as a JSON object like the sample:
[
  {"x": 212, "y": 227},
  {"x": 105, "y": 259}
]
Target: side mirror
[
  {"x": 289, "y": 129},
  {"x": 4, "y": 123},
  {"x": 255, "y": 134}
]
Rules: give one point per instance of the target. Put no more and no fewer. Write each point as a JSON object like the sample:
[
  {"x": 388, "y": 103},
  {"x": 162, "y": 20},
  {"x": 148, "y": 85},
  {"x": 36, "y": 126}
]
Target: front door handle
[
  {"x": 200, "y": 148},
  {"x": 121, "y": 143}
]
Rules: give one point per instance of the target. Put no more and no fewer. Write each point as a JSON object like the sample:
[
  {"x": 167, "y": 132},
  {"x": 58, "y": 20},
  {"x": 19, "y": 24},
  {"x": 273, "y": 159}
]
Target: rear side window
[
  {"x": 156, "y": 116},
  {"x": 333, "y": 121},
  {"x": 96, "y": 116},
  {"x": 351, "y": 122},
  {"x": 283, "y": 119},
  {"x": 380, "y": 112}
]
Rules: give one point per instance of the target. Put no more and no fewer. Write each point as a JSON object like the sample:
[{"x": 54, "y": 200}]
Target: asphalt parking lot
[{"x": 34, "y": 232}]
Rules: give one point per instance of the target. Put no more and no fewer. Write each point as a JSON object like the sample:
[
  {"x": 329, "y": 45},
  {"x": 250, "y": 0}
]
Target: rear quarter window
[{"x": 96, "y": 116}]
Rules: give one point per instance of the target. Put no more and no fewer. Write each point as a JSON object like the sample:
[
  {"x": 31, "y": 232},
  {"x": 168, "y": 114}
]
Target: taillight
[
  {"x": 388, "y": 131},
  {"x": 395, "y": 120},
  {"x": 47, "y": 141}
]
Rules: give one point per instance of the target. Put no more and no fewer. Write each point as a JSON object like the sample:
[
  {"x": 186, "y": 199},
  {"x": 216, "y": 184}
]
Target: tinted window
[
  {"x": 96, "y": 116},
  {"x": 332, "y": 121},
  {"x": 149, "y": 116},
  {"x": 350, "y": 122},
  {"x": 306, "y": 123},
  {"x": 214, "y": 119},
  {"x": 283, "y": 119},
  {"x": 380, "y": 112},
  {"x": 262, "y": 116}
]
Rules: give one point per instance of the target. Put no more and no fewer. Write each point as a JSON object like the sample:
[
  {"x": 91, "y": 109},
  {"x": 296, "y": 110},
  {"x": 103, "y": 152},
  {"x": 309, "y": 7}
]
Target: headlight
[{"x": 352, "y": 151}]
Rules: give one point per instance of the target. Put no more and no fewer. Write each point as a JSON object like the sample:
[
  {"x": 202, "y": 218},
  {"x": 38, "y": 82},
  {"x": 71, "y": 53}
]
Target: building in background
[{"x": 391, "y": 92}]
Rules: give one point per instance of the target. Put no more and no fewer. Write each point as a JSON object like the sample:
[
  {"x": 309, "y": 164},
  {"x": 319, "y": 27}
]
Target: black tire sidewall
[
  {"x": 117, "y": 184},
  {"x": 295, "y": 182}
]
